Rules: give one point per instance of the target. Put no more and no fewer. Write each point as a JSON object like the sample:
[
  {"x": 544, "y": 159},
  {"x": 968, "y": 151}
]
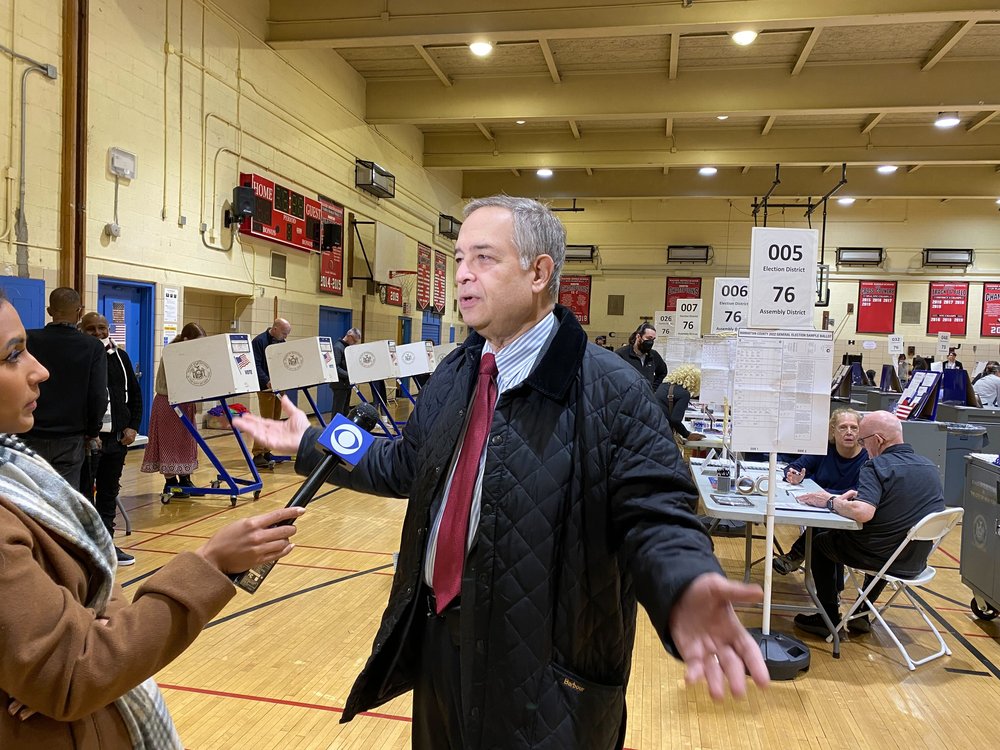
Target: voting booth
[
  {"x": 211, "y": 367},
  {"x": 441, "y": 351},
  {"x": 301, "y": 363},
  {"x": 415, "y": 359},
  {"x": 370, "y": 362}
]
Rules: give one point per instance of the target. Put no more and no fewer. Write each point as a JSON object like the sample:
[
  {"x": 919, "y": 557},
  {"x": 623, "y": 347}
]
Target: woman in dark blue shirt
[{"x": 836, "y": 472}]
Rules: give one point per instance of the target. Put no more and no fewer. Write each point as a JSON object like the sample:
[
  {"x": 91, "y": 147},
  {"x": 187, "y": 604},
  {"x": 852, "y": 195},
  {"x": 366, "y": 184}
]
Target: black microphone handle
[{"x": 250, "y": 580}]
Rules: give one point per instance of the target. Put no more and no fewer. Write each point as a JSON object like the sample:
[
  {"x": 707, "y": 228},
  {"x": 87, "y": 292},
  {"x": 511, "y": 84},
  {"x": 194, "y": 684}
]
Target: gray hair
[
  {"x": 354, "y": 332},
  {"x": 537, "y": 231}
]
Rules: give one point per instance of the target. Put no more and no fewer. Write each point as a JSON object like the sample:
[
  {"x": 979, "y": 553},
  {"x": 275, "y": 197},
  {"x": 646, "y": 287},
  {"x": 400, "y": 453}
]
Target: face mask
[
  {"x": 646, "y": 346},
  {"x": 108, "y": 344}
]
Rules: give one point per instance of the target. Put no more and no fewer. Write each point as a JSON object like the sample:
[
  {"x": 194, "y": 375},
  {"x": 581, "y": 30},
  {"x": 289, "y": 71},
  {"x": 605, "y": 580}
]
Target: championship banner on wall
[
  {"x": 574, "y": 293},
  {"x": 440, "y": 280},
  {"x": 681, "y": 288},
  {"x": 876, "y": 307},
  {"x": 423, "y": 277},
  {"x": 947, "y": 307},
  {"x": 390, "y": 295},
  {"x": 991, "y": 309},
  {"x": 331, "y": 262}
]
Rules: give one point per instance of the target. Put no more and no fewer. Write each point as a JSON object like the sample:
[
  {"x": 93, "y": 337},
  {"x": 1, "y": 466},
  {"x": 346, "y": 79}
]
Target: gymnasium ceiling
[{"x": 621, "y": 98}]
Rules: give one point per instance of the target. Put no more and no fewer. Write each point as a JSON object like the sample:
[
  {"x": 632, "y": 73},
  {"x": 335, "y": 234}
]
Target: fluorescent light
[
  {"x": 998, "y": 201},
  {"x": 887, "y": 169},
  {"x": 743, "y": 37},
  {"x": 544, "y": 172},
  {"x": 481, "y": 49},
  {"x": 519, "y": 122},
  {"x": 845, "y": 201},
  {"x": 722, "y": 117},
  {"x": 947, "y": 120},
  {"x": 707, "y": 171}
]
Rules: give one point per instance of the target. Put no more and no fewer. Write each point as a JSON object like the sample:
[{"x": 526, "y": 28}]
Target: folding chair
[{"x": 931, "y": 528}]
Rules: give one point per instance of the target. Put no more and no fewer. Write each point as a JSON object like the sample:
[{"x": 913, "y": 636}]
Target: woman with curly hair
[{"x": 674, "y": 395}]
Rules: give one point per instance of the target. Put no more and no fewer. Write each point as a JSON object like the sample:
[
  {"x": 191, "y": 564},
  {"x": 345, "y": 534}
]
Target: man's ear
[{"x": 544, "y": 267}]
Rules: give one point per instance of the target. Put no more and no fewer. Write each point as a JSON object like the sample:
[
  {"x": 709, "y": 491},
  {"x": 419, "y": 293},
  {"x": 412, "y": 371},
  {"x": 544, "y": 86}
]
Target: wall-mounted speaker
[{"x": 244, "y": 201}]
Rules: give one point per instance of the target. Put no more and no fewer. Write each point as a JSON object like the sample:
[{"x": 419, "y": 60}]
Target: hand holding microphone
[{"x": 344, "y": 442}]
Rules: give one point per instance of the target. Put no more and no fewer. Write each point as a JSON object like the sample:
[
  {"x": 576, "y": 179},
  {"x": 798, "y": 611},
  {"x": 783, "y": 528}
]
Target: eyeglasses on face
[{"x": 861, "y": 440}]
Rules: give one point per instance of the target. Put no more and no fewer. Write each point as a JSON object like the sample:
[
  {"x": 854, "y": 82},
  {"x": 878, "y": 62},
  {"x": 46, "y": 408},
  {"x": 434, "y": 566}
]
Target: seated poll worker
[
  {"x": 952, "y": 363},
  {"x": 896, "y": 488},
  {"x": 639, "y": 353},
  {"x": 674, "y": 395},
  {"x": 77, "y": 656},
  {"x": 987, "y": 387},
  {"x": 836, "y": 473},
  {"x": 544, "y": 502}
]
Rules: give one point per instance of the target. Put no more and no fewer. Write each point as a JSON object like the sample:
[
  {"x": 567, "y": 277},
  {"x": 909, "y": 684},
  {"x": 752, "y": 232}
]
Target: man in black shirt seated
[{"x": 896, "y": 488}]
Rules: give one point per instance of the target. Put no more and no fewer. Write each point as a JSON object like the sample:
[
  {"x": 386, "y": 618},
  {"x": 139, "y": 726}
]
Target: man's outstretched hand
[
  {"x": 281, "y": 435},
  {"x": 710, "y": 638}
]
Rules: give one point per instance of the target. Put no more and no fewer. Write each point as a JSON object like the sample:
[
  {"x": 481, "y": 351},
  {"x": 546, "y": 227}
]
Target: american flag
[
  {"x": 242, "y": 361},
  {"x": 903, "y": 409}
]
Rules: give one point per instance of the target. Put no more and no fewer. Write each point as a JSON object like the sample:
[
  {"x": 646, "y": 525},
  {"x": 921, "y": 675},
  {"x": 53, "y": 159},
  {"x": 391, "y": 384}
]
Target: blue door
[
  {"x": 451, "y": 334},
  {"x": 128, "y": 306},
  {"x": 431, "y": 327},
  {"x": 333, "y": 322},
  {"x": 28, "y": 298}
]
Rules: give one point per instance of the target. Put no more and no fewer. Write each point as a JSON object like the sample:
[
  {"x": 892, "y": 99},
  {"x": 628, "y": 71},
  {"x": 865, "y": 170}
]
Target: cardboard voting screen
[
  {"x": 374, "y": 360},
  {"x": 210, "y": 367},
  {"x": 301, "y": 363},
  {"x": 441, "y": 351},
  {"x": 415, "y": 358}
]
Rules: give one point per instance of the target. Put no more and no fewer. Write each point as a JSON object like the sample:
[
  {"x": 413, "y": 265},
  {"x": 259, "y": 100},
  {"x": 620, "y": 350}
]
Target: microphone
[{"x": 344, "y": 441}]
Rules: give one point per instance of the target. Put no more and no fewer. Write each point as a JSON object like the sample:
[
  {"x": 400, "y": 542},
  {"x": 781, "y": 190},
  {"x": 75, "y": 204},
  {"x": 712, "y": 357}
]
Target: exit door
[
  {"x": 128, "y": 306},
  {"x": 333, "y": 322}
]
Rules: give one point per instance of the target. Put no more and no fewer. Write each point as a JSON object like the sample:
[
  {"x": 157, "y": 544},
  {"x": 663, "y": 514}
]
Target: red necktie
[{"x": 454, "y": 528}]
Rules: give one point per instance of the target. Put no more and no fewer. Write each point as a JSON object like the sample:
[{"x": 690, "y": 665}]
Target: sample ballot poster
[
  {"x": 876, "y": 306},
  {"x": 947, "y": 307},
  {"x": 781, "y": 391},
  {"x": 991, "y": 309}
]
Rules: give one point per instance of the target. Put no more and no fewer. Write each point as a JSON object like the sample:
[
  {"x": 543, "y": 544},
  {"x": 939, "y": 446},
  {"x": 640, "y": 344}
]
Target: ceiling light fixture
[
  {"x": 998, "y": 201},
  {"x": 722, "y": 117},
  {"x": 743, "y": 37},
  {"x": 887, "y": 169},
  {"x": 481, "y": 48},
  {"x": 845, "y": 201},
  {"x": 519, "y": 122},
  {"x": 947, "y": 120},
  {"x": 707, "y": 171},
  {"x": 544, "y": 172}
]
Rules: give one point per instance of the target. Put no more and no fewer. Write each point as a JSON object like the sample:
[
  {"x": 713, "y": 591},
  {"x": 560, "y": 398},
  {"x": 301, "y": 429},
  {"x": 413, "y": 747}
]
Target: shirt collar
[{"x": 517, "y": 359}]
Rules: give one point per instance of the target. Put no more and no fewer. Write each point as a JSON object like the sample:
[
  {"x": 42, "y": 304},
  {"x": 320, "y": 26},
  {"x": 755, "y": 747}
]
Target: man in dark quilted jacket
[{"x": 546, "y": 500}]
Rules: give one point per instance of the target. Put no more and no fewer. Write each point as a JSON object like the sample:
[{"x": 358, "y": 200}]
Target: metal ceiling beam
[
  {"x": 433, "y": 65},
  {"x": 575, "y": 129},
  {"x": 550, "y": 61},
  {"x": 807, "y": 49},
  {"x": 939, "y": 182},
  {"x": 363, "y": 23},
  {"x": 872, "y": 122},
  {"x": 768, "y": 125},
  {"x": 487, "y": 133},
  {"x": 759, "y": 92},
  {"x": 675, "y": 54},
  {"x": 981, "y": 120},
  {"x": 946, "y": 42}
]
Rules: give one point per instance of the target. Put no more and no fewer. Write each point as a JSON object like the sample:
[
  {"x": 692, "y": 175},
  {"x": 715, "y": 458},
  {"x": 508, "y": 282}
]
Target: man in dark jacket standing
[
  {"x": 73, "y": 400},
  {"x": 342, "y": 388},
  {"x": 268, "y": 405},
  {"x": 544, "y": 502},
  {"x": 640, "y": 354},
  {"x": 101, "y": 476}
]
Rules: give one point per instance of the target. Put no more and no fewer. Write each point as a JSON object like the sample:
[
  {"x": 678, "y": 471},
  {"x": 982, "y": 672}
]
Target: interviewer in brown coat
[{"x": 75, "y": 656}]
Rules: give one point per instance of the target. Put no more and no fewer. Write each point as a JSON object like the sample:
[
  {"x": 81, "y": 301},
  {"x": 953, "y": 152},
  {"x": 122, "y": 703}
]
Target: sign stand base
[{"x": 784, "y": 655}]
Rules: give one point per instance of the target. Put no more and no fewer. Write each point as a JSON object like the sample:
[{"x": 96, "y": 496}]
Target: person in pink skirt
[{"x": 171, "y": 450}]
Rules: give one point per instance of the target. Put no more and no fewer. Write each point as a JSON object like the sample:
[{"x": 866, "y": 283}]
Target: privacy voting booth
[
  {"x": 213, "y": 368},
  {"x": 416, "y": 358},
  {"x": 301, "y": 364},
  {"x": 369, "y": 362}
]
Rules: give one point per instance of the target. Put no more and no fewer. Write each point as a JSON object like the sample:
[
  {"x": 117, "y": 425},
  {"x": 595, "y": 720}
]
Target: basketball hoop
[{"x": 405, "y": 280}]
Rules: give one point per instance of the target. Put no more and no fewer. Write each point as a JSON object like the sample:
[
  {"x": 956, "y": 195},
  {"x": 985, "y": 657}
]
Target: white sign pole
[{"x": 730, "y": 304}]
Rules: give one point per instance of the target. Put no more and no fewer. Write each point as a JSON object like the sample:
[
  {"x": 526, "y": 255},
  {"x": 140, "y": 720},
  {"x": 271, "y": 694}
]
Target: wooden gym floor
[{"x": 274, "y": 669}]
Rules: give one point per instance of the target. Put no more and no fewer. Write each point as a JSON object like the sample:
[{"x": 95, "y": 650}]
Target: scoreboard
[{"x": 282, "y": 215}]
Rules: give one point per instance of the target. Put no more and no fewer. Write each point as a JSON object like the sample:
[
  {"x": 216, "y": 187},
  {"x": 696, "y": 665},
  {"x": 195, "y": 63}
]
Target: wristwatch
[{"x": 829, "y": 504}]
